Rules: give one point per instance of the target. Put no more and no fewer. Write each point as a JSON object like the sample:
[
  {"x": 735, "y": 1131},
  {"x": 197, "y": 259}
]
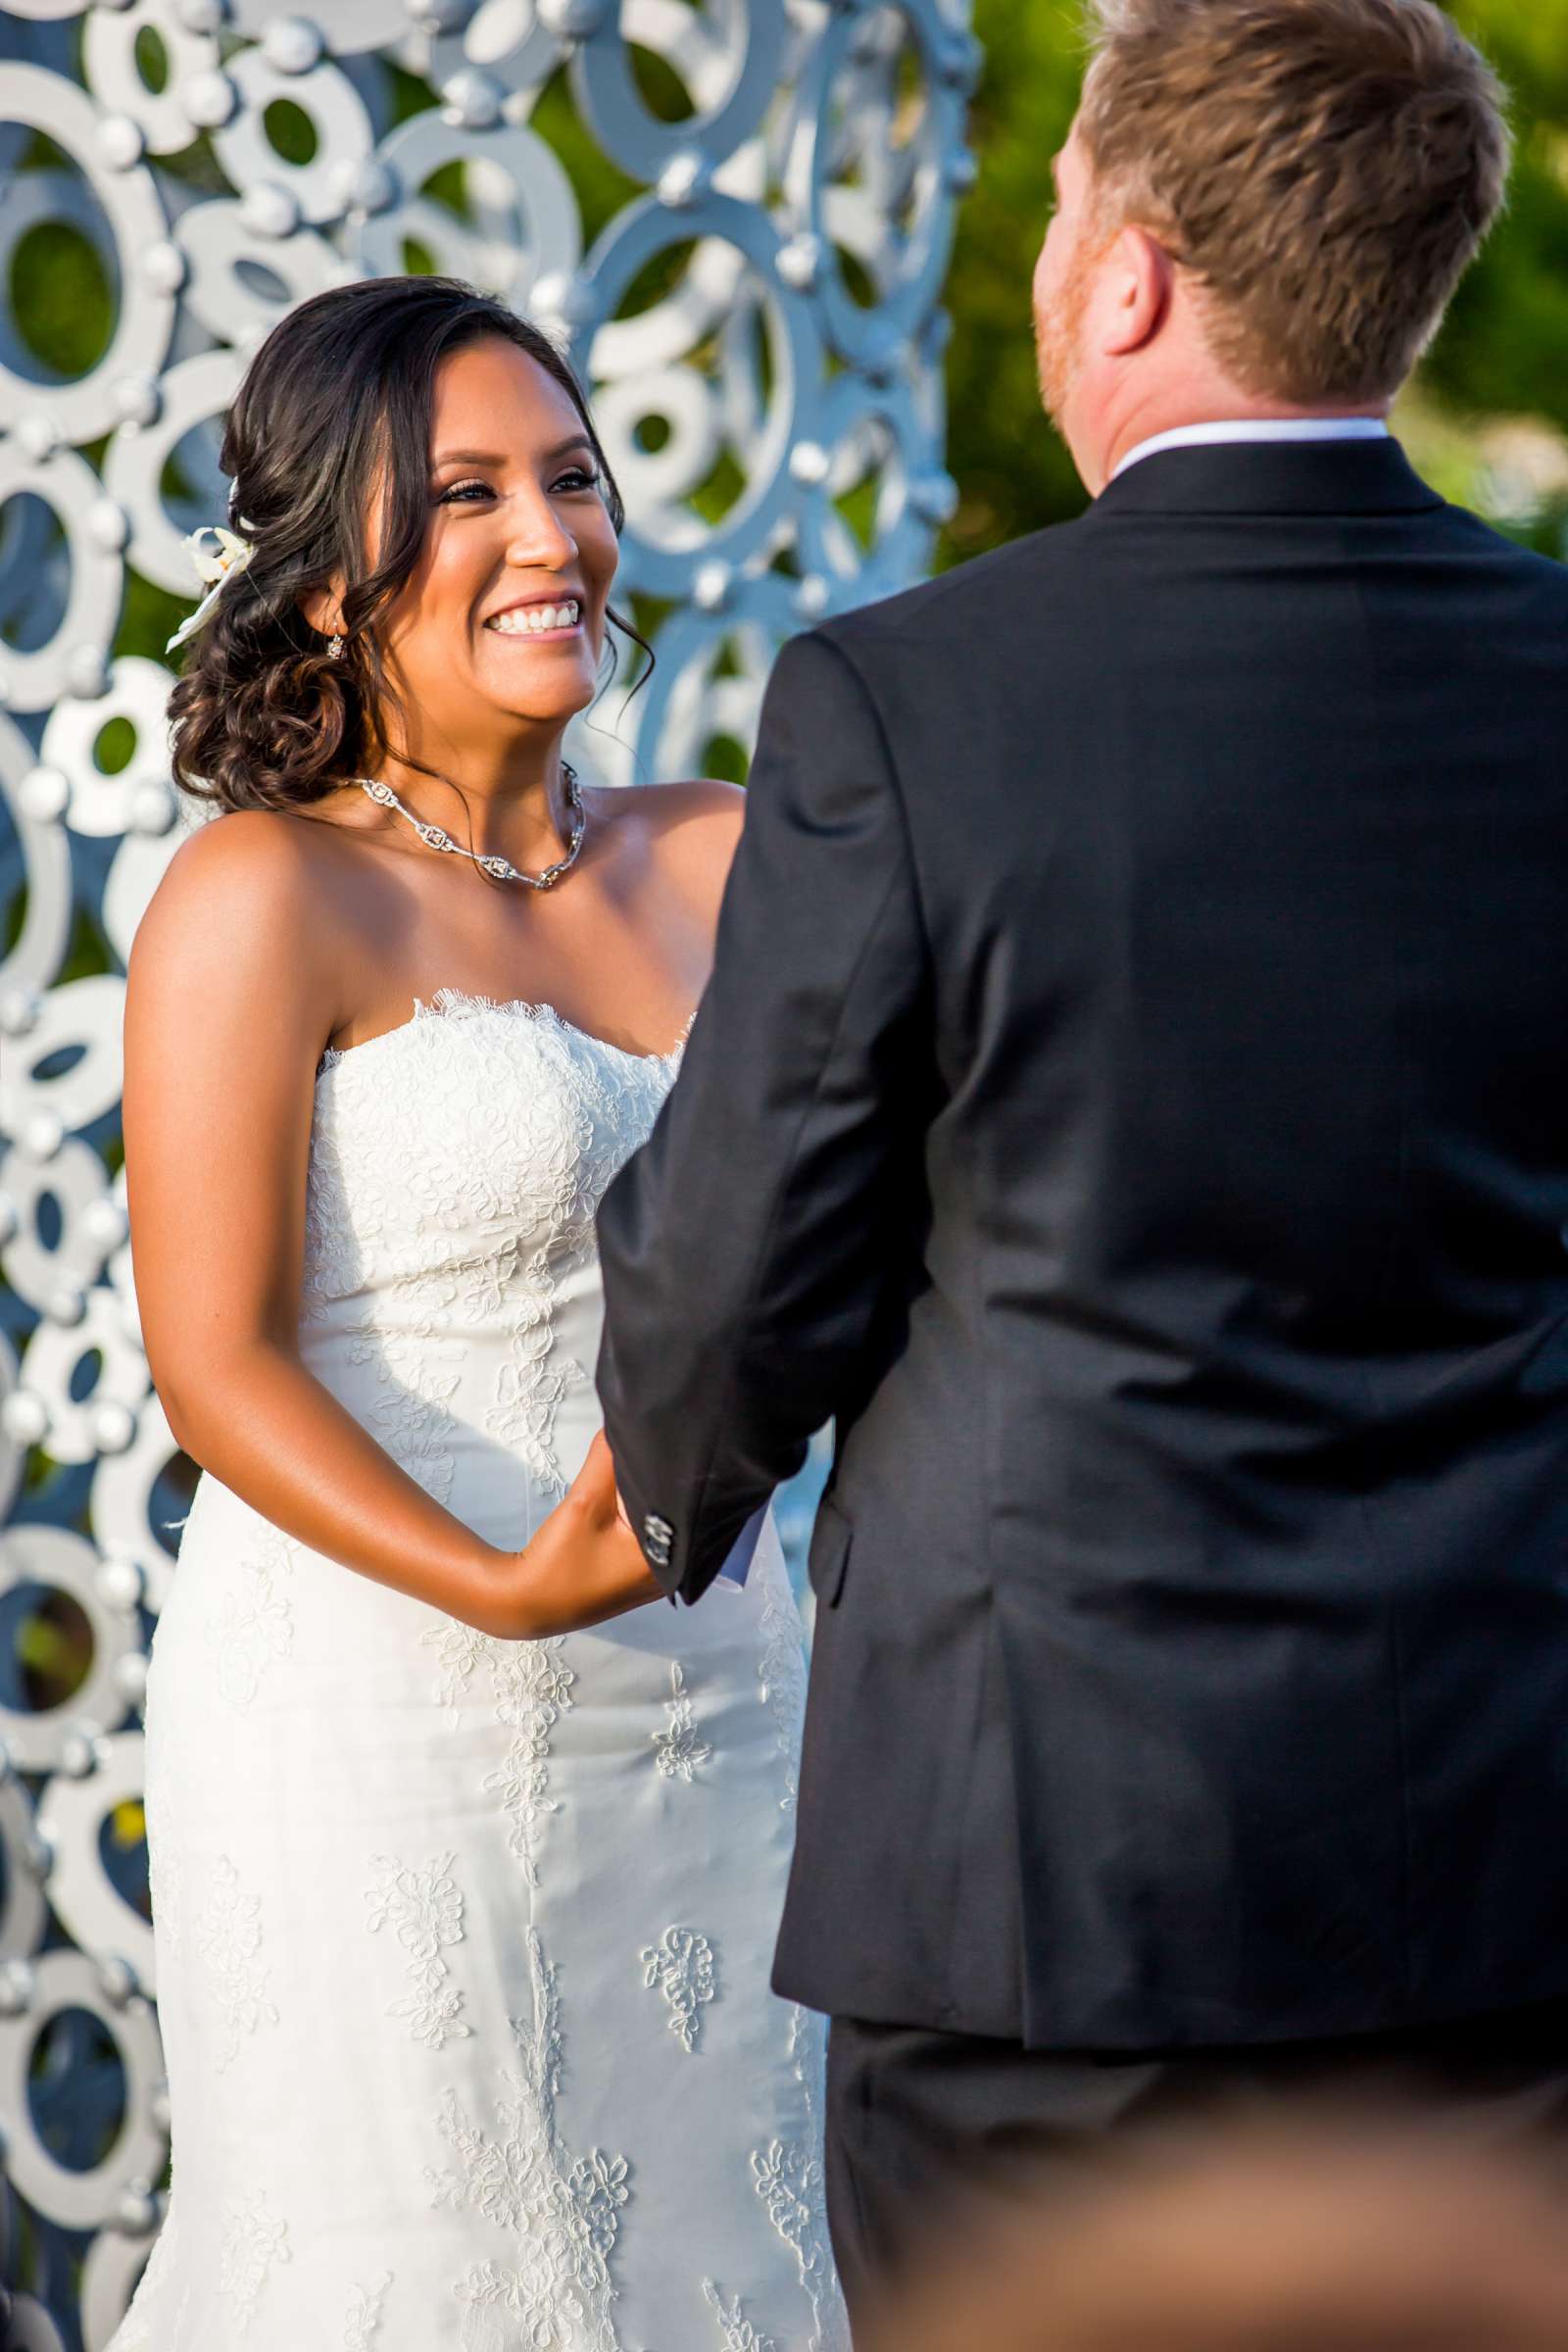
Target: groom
[{"x": 1132, "y": 1101}]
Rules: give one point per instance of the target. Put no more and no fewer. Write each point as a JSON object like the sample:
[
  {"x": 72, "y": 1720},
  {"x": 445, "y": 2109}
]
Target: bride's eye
[
  {"x": 464, "y": 491},
  {"x": 579, "y": 477}
]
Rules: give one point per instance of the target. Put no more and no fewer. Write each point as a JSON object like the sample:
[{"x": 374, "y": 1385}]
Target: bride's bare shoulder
[
  {"x": 250, "y": 876},
  {"x": 699, "y": 801},
  {"x": 693, "y": 820},
  {"x": 258, "y": 848},
  {"x": 679, "y": 836}
]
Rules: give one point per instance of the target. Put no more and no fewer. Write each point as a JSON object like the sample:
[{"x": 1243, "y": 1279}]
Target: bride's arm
[{"x": 234, "y": 985}]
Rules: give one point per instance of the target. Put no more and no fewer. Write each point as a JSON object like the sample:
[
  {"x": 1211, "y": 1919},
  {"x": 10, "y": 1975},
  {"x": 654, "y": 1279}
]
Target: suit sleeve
[{"x": 744, "y": 1256}]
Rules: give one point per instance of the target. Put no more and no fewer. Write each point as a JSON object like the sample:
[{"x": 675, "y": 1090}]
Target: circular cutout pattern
[
  {"x": 34, "y": 679},
  {"x": 337, "y": 118},
  {"x": 120, "y": 44},
  {"x": 522, "y": 223},
  {"x": 102, "y": 801},
  {"x": 129, "y": 199},
  {"x": 80, "y": 2197},
  {"x": 51, "y": 1559},
  {"x": 755, "y": 398}
]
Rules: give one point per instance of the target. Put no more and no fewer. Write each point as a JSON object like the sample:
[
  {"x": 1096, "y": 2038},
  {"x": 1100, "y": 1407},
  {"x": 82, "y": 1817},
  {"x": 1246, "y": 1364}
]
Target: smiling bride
[{"x": 465, "y": 1863}]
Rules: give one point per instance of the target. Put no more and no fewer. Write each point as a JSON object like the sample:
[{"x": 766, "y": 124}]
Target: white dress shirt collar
[{"x": 1257, "y": 429}]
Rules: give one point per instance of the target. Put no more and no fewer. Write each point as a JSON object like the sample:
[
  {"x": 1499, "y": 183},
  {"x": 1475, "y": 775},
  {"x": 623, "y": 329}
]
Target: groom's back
[{"x": 1233, "y": 1560}]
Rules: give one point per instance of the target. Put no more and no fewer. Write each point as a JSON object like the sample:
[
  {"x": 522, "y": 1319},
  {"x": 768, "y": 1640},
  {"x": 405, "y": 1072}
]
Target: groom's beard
[{"x": 1058, "y": 332}]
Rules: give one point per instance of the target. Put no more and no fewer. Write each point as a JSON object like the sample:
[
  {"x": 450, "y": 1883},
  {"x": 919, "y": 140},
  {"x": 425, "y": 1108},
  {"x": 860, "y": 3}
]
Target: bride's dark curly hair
[{"x": 334, "y": 409}]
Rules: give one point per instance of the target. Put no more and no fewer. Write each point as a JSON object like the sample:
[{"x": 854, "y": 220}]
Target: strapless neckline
[{"x": 455, "y": 1003}]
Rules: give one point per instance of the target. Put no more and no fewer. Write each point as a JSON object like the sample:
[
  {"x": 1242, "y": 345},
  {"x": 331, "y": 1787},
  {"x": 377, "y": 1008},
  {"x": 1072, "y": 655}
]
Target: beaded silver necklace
[{"x": 501, "y": 869}]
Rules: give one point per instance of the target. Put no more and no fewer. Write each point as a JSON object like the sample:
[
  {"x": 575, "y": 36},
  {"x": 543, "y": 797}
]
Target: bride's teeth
[{"x": 529, "y": 620}]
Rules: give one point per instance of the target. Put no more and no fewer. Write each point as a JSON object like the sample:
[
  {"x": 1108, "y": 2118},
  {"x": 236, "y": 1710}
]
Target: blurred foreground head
[
  {"x": 1342, "y": 2236},
  {"x": 1264, "y": 207}
]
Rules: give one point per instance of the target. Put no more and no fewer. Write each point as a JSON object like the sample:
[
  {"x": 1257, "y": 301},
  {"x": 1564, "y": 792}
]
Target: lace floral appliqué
[
  {"x": 531, "y": 1689},
  {"x": 677, "y": 1749},
  {"x": 425, "y": 1911},
  {"x": 253, "y": 1624},
  {"x": 735, "y": 2330},
  {"x": 564, "y": 2214},
  {"x": 228, "y": 1940},
  {"x": 682, "y": 1965},
  {"x": 363, "y": 2320},
  {"x": 518, "y": 1175},
  {"x": 252, "y": 2241},
  {"x": 790, "y": 2180}
]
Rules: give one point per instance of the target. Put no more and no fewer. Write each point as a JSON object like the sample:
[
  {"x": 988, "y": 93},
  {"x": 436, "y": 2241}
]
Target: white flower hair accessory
[{"x": 232, "y": 556}]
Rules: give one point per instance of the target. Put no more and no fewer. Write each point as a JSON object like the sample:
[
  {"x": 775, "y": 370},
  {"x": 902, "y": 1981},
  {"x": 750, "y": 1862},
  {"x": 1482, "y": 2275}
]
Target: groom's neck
[{"x": 1138, "y": 403}]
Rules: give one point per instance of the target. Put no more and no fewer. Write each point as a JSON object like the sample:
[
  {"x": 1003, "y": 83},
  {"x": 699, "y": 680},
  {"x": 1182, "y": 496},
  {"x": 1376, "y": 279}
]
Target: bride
[{"x": 465, "y": 1862}]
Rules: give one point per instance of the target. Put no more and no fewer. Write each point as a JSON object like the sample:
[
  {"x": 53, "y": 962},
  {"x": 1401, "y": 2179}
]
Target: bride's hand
[{"x": 582, "y": 1566}]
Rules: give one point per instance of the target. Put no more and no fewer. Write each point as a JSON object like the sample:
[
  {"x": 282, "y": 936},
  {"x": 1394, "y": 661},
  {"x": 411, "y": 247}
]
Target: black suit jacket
[{"x": 1133, "y": 1098}]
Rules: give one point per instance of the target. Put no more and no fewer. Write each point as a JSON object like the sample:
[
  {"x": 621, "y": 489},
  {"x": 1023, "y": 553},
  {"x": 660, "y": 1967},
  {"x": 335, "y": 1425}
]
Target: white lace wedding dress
[{"x": 463, "y": 1944}]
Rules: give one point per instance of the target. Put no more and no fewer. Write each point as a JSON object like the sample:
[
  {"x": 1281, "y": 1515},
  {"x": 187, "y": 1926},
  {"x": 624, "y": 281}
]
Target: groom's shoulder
[
  {"x": 1472, "y": 532},
  {"x": 961, "y": 603}
]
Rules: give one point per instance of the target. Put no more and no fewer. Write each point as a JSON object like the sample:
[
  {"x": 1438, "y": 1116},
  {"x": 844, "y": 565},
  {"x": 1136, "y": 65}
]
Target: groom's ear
[{"x": 1139, "y": 278}]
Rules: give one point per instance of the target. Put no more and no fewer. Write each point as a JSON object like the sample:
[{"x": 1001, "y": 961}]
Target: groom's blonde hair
[{"x": 1328, "y": 168}]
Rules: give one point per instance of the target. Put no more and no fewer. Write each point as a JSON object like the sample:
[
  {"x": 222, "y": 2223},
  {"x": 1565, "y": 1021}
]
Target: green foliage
[
  {"x": 60, "y": 292},
  {"x": 1506, "y": 344},
  {"x": 1503, "y": 353},
  {"x": 61, "y": 299},
  {"x": 290, "y": 132},
  {"x": 1012, "y": 472}
]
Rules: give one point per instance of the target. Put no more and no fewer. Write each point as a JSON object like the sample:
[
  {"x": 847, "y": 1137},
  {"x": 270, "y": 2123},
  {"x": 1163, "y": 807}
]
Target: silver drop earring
[{"x": 336, "y": 649}]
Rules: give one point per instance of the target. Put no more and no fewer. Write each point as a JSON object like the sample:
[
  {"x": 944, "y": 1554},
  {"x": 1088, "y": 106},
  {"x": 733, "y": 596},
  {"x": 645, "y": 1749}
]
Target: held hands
[{"x": 581, "y": 1567}]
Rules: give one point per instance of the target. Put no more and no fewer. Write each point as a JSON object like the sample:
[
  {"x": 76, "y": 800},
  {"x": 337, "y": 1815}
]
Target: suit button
[{"x": 658, "y": 1537}]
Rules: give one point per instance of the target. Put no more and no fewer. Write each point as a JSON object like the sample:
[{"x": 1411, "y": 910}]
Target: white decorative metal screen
[{"x": 736, "y": 214}]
